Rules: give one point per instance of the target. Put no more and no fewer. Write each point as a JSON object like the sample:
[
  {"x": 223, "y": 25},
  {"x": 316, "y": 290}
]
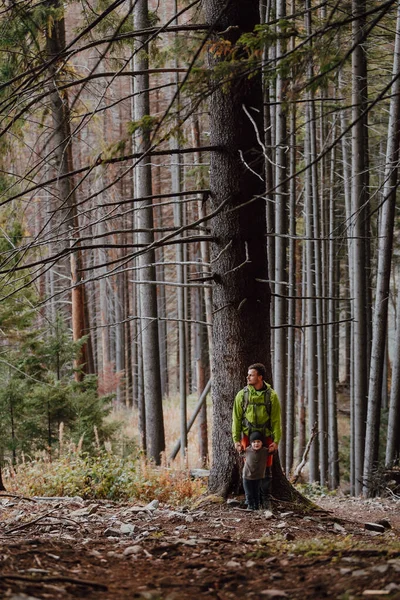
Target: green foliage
[
  {"x": 153, "y": 18},
  {"x": 17, "y": 296},
  {"x": 146, "y": 124},
  {"x": 338, "y": 547},
  {"x": 39, "y": 392},
  {"x": 321, "y": 546},
  {"x": 108, "y": 25},
  {"x": 48, "y": 355},
  {"x": 20, "y": 40},
  {"x": 116, "y": 149},
  {"x": 344, "y": 457},
  {"x": 313, "y": 490}
]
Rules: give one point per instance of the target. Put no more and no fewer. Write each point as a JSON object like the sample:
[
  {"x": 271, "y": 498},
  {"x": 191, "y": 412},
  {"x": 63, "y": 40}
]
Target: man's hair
[{"x": 260, "y": 368}]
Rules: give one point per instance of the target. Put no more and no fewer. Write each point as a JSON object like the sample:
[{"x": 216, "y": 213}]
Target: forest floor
[{"x": 68, "y": 548}]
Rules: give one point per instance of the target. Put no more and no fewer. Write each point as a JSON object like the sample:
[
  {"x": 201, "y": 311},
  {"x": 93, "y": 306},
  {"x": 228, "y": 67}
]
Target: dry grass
[
  {"x": 105, "y": 476},
  {"x": 128, "y": 419},
  {"x": 117, "y": 470}
]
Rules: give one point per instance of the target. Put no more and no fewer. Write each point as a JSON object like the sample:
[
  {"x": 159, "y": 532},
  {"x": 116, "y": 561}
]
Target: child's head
[{"x": 256, "y": 440}]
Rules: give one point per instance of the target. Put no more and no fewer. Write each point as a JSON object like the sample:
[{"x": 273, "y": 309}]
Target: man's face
[{"x": 253, "y": 378}]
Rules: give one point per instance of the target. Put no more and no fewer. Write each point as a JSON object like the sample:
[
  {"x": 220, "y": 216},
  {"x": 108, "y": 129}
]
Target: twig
[
  {"x": 245, "y": 262},
  {"x": 16, "y": 497},
  {"x": 229, "y": 244},
  {"x": 23, "y": 525},
  {"x": 393, "y": 494},
  {"x": 298, "y": 469},
  {"x": 52, "y": 579},
  {"x": 229, "y": 540}
]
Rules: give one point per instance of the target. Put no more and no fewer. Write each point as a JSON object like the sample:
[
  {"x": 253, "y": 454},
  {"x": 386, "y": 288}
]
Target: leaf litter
[{"x": 70, "y": 548}]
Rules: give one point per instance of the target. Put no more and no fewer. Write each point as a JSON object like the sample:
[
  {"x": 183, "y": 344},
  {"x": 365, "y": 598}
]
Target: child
[{"x": 254, "y": 469}]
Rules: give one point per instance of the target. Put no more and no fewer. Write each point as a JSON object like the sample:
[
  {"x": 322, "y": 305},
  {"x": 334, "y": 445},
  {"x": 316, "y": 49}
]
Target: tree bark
[
  {"x": 241, "y": 331},
  {"x": 332, "y": 334},
  {"x": 282, "y": 489},
  {"x": 176, "y": 173},
  {"x": 281, "y": 228},
  {"x": 385, "y": 248},
  {"x": 393, "y": 434},
  {"x": 61, "y": 138},
  {"x": 147, "y": 291},
  {"x": 359, "y": 219},
  {"x": 311, "y": 333},
  {"x": 2, "y": 486}
]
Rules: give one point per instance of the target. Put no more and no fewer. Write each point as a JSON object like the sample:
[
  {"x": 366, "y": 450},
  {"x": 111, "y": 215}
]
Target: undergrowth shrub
[
  {"x": 314, "y": 490},
  {"x": 104, "y": 476}
]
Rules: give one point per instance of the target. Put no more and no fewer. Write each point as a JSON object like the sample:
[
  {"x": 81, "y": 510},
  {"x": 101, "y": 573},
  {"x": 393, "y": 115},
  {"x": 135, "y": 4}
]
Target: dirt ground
[{"x": 68, "y": 548}]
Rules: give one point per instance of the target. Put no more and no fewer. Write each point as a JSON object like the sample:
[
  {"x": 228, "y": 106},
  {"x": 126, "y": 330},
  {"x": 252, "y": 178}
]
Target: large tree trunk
[
  {"x": 282, "y": 489},
  {"x": 241, "y": 297},
  {"x": 241, "y": 331}
]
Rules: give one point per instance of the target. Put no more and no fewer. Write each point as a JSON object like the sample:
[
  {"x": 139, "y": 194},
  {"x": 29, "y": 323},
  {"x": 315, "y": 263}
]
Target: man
[{"x": 257, "y": 408}]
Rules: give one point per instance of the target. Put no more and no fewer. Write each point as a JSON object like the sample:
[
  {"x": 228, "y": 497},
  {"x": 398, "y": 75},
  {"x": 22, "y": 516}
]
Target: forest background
[{"x": 194, "y": 184}]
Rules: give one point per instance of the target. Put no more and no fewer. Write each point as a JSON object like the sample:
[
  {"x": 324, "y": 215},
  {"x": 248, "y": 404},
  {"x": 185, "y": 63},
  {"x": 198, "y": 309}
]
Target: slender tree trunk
[
  {"x": 311, "y": 332},
  {"x": 204, "y": 246},
  {"x": 202, "y": 374},
  {"x": 180, "y": 277},
  {"x": 385, "y": 249},
  {"x": 290, "y": 401},
  {"x": 281, "y": 230},
  {"x": 393, "y": 433},
  {"x": 302, "y": 385},
  {"x": 160, "y": 220},
  {"x": 316, "y": 352},
  {"x": 147, "y": 291},
  {"x": 269, "y": 127},
  {"x": 332, "y": 333},
  {"x": 359, "y": 216},
  {"x": 204, "y": 312},
  {"x": 104, "y": 363},
  {"x": 120, "y": 341},
  {"x": 55, "y": 43},
  {"x": 349, "y": 304}
]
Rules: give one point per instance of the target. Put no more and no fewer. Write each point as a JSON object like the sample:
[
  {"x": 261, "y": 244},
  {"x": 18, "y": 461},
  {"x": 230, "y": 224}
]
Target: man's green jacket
[{"x": 256, "y": 413}]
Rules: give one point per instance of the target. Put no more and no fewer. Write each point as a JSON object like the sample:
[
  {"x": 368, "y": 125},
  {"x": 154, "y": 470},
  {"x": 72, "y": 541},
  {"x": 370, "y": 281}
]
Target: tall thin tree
[{"x": 147, "y": 291}]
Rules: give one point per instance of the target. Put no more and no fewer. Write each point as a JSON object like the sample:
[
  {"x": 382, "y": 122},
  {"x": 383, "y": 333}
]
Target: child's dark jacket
[{"x": 255, "y": 463}]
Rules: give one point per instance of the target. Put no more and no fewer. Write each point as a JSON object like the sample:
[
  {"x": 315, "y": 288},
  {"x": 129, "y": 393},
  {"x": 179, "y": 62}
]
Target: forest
[{"x": 187, "y": 188}]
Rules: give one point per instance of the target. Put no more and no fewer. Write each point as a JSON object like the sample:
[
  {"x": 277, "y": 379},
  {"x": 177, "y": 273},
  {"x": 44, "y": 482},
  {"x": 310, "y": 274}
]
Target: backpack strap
[{"x": 245, "y": 400}]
